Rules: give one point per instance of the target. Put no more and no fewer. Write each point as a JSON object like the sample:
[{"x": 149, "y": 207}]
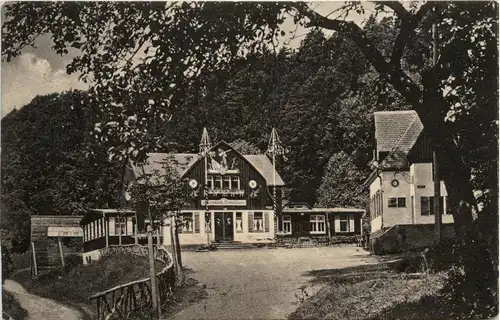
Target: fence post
[{"x": 154, "y": 298}]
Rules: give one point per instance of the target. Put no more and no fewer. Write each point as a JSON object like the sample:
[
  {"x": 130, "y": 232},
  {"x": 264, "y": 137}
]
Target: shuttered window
[
  {"x": 346, "y": 223},
  {"x": 190, "y": 222},
  {"x": 258, "y": 222}
]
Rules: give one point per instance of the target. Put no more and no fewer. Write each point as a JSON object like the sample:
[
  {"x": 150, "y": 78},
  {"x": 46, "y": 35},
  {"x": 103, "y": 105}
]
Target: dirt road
[
  {"x": 40, "y": 308},
  {"x": 261, "y": 283}
]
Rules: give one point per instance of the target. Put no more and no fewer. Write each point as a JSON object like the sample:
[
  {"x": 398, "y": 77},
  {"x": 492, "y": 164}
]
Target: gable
[
  {"x": 220, "y": 155},
  {"x": 397, "y": 129}
]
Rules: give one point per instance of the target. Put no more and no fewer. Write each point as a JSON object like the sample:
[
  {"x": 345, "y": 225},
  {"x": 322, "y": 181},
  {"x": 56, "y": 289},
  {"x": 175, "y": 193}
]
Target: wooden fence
[{"x": 121, "y": 301}]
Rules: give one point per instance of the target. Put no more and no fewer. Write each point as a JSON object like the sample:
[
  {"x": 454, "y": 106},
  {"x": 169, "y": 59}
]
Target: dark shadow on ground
[
  {"x": 353, "y": 274},
  {"x": 189, "y": 293}
]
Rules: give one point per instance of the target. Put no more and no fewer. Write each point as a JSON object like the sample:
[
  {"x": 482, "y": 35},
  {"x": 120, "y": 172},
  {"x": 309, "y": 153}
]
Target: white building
[{"x": 401, "y": 185}]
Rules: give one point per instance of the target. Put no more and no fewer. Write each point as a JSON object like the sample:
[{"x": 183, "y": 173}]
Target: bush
[
  {"x": 72, "y": 261},
  {"x": 12, "y": 307},
  {"x": 7, "y": 265}
]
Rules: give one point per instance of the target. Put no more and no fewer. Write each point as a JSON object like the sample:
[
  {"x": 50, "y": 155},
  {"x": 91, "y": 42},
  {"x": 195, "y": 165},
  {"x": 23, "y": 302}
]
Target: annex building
[{"x": 402, "y": 185}]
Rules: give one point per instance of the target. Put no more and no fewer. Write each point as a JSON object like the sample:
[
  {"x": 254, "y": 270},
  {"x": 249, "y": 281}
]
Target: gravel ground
[{"x": 261, "y": 283}]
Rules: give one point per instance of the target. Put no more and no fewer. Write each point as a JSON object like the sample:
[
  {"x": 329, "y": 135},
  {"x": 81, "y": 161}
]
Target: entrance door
[{"x": 224, "y": 230}]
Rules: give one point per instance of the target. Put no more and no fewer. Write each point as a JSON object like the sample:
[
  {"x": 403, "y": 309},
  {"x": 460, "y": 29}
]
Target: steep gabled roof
[
  {"x": 397, "y": 129},
  {"x": 182, "y": 162},
  {"x": 265, "y": 167}
]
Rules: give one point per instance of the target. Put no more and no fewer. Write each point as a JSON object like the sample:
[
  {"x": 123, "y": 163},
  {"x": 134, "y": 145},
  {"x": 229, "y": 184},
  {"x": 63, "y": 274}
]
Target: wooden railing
[{"x": 121, "y": 301}]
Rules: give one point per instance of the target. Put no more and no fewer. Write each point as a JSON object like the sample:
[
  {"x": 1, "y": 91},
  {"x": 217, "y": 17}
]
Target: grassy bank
[
  {"x": 75, "y": 284},
  {"x": 12, "y": 307},
  {"x": 360, "y": 294},
  {"x": 409, "y": 288}
]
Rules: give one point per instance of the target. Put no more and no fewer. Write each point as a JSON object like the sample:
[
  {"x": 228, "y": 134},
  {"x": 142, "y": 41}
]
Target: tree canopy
[
  {"x": 45, "y": 169},
  {"x": 152, "y": 64}
]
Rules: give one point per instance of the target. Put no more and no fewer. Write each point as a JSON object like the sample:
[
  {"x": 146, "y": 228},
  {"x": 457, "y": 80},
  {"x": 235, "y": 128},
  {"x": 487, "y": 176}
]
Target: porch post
[
  {"x": 34, "y": 258},
  {"x": 106, "y": 227},
  {"x": 60, "y": 251}
]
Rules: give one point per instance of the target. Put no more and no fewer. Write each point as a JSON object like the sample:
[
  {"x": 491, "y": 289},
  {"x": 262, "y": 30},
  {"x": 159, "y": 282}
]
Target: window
[
  {"x": 226, "y": 182},
  {"x": 189, "y": 222},
  {"x": 239, "y": 222},
  {"x": 402, "y": 202},
  {"x": 377, "y": 204},
  {"x": 210, "y": 182},
  {"x": 258, "y": 222},
  {"x": 393, "y": 202},
  {"x": 427, "y": 205},
  {"x": 397, "y": 202},
  {"x": 344, "y": 223},
  {"x": 187, "y": 225},
  {"x": 317, "y": 224},
  {"x": 120, "y": 225},
  {"x": 235, "y": 182},
  {"x": 218, "y": 182},
  {"x": 287, "y": 224}
]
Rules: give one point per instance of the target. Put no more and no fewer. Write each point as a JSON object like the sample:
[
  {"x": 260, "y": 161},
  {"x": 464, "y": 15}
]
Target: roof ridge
[{"x": 397, "y": 112}]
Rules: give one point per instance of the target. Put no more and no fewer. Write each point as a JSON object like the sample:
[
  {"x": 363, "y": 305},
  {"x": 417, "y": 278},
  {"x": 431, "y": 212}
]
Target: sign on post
[{"x": 64, "y": 232}]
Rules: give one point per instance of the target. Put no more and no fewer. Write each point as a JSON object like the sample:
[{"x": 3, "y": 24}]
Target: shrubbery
[{"x": 7, "y": 265}]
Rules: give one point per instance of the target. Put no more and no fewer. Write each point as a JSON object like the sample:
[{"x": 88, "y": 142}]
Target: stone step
[{"x": 232, "y": 245}]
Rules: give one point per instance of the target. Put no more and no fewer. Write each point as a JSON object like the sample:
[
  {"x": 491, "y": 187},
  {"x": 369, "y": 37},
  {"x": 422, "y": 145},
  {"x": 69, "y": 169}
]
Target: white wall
[
  {"x": 376, "y": 224},
  {"x": 394, "y": 216},
  {"x": 202, "y": 238},
  {"x": 422, "y": 176}
]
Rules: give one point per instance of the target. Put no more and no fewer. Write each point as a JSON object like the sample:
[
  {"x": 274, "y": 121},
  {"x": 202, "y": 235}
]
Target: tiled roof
[
  {"x": 262, "y": 164},
  {"x": 397, "y": 129},
  {"x": 183, "y": 161}
]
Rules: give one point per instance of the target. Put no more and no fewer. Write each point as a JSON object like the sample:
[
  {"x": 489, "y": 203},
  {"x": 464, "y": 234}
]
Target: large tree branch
[
  {"x": 395, "y": 6},
  {"x": 393, "y": 73},
  {"x": 409, "y": 24}
]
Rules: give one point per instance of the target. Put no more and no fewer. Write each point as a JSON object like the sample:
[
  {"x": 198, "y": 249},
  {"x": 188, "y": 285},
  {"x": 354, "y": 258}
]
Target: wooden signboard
[
  {"x": 64, "y": 232},
  {"x": 224, "y": 202}
]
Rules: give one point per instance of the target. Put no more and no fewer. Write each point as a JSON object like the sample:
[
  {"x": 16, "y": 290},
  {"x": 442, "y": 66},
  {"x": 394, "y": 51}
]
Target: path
[
  {"x": 260, "y": 283},
  {"x": 40, "y": 308}
]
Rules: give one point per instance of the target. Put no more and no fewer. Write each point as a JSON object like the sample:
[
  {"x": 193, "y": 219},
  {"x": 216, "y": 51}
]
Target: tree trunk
[
  {"x": 453, "y": 170},
  {"x": 177, "y": 244}
]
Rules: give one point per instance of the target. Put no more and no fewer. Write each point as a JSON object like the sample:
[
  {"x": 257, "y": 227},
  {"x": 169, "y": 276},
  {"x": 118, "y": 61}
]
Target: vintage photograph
[{"x": 249, "y": 160}]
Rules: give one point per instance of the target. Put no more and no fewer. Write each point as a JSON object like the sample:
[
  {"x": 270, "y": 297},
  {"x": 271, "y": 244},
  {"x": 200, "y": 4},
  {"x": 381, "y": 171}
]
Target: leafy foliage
[
  {"x": 341, "y": 183},
  {"x": 186, "y": 45},
  {"x": 163, "y": 191},
  {"x": 45, "y": 169},
  {"x": 7, "y": 264}
]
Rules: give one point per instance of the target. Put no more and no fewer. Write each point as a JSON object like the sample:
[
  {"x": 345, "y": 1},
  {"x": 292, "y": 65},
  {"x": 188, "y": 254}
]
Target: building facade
[
  {"x": 301, "y": 220},
  {"x": 402, "y": 184},
  {"x": 229, "y": 195}
]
